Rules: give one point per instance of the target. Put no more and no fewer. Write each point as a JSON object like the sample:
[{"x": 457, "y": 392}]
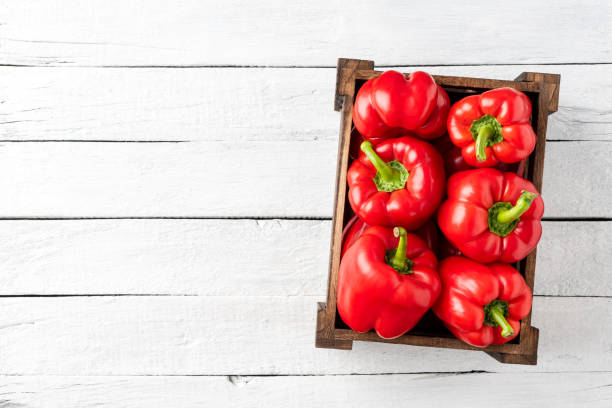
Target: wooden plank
[
  {"x": 177, "y": 257},
  {"x": 284, "y": 179},
  {"x": 588, "y": 390},
  {"x": 219, "y": 335},
  {"x": 191, "y": 179},
  {"x": 237, "y": 257},
  {"x": 558, "y": 272},
  {"x": 270, "y": 32},
  {"x": 233, "y": 105}
]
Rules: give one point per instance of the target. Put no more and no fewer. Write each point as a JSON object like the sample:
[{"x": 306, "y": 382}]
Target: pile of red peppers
[{"x": 442, "y": 210}]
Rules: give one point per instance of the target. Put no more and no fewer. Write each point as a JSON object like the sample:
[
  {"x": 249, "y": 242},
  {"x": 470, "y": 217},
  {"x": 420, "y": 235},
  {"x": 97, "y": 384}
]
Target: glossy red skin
[
  {"x": 454, "y": 161},
  {"x": 404, "y": 102},
  {"x": 468, "y": 286},
  {"x": 435, "y": 126},
  {"x": 428, "y": 233},
  {"x": 367, "y": 121},
  {"x": 372, "y": 295},
  {"x": 511, "y": 108},
  {"x": 409, "y": 207},
  {"x": 463, "y": 217}
]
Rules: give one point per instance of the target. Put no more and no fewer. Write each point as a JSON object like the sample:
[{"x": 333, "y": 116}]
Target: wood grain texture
[
  {"x": 564, "y": 390},
  {"x": 271, "y": 32},
  {"x": 196, "y": 179},
  {"x": 221, "y": 335},
  {"x": 254, "y": 179},
  {"x": 177, "y": 257},
  {"x": 255, "y": 315},
  {"x": 280, "y": 257},
  {"x": 234, "y": 105}
]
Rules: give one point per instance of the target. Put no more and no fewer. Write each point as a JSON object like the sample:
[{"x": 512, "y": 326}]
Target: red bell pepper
[
  {"x": 404, "y": 102},
  {"x": 367, "y": 121},
  {"x": 435, "y": 126},
  {"x": 492, "y": 127},
  {"x": 355, "y": 228},
  {"x": 491, "y": 216},
  {"x": 482, "y": 304},
  {"x": 385, "y": 283},
  {"x": 454, "y": 161},
  {"x": 400, "y": 182},
  {"x": 391, "y": 105}
]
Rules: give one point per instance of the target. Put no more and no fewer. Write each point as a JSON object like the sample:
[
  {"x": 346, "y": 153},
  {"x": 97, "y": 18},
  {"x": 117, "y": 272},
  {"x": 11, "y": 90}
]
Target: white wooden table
[{"x": 167, "y": 172}]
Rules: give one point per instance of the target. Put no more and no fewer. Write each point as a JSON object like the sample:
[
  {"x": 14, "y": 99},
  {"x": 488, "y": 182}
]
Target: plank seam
[
  {"x": 71, "y": 295},
  {"x": 77, "y": 295},
  {"x": 244, "y": 218},
  {"x": 199, "y": 141},
  {"x": 239, "y": 66},
  {"x": 248, "y": 218},
  {"x": 440, "y": 373},
  {"x": 89, "y": 141}
]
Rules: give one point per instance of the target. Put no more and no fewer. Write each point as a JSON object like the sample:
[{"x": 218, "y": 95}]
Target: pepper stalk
[
  {"x": 504, "y": 217},
  {"x": 390, "y": 176},
  {"x": 495, "y": 315},
  {"x": 485, "y": 133},
  {"x": 396, "y": 258},
  {"x": 522, "y": 205}
]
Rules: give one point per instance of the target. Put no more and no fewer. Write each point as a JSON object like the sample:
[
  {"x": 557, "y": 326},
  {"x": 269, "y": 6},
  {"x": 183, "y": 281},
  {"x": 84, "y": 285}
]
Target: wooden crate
[{"x": 543, "y": 91}]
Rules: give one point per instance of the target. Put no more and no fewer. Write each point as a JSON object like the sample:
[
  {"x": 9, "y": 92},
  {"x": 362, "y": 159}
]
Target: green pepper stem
[
  {"x": 522, "y": 204},
  {"x": 485, "y": 133},
  {"x": 396, "y": 257},
  {"x": 398, "y": 261},
  {"x": 386, "y": 172},
  {"x": 496, "y": 313}
]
